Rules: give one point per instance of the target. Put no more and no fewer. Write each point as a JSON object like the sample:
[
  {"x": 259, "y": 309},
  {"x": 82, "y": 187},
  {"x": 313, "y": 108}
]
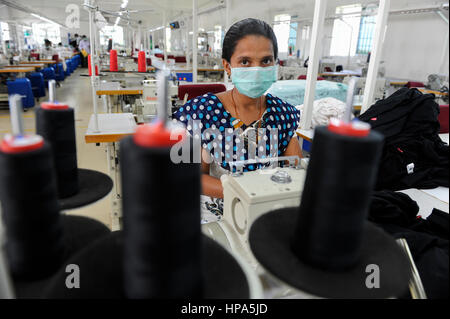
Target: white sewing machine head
[{"x": 249, "y": 195}]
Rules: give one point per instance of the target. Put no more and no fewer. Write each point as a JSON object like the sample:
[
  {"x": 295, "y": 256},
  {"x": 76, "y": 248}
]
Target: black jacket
[{"x": 413, "y": 155}]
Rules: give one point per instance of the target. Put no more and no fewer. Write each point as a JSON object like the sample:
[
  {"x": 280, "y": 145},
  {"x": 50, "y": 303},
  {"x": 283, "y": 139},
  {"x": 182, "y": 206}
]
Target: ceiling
[{"x": 55, "y": 10}]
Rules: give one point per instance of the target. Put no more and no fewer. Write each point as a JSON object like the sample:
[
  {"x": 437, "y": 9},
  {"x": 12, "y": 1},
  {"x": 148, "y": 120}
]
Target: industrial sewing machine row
[{"x": 138, "y": 96}]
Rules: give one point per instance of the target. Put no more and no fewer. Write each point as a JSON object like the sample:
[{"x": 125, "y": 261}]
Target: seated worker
[
  {"x": 47, "y": 50},
  {"x": 249, "y": 57}
]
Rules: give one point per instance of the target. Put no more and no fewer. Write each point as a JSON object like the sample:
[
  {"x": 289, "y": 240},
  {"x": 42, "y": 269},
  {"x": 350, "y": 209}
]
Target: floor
[{"x": 76, "y": 92}]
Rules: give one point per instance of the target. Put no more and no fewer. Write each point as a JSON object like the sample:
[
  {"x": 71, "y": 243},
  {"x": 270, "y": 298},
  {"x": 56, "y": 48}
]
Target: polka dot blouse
[{"x": 228, "y": 139}]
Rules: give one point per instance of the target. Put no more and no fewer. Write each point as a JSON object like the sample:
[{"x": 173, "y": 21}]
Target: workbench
[
  {"x": 36, "y": 66},
  {"x": 427, "y": 91},
  {"x": 38, "y": 61},
  {"x": 121, "y": 91},
  {"x": 112, "y": 127},
  {"x": 190, "y": 70},
  {"x": 110, "y": 89},
  {"x": 122, "y": 70},
  {"x": 17, "y": 71},
  {"x": 339, "y": 75}
]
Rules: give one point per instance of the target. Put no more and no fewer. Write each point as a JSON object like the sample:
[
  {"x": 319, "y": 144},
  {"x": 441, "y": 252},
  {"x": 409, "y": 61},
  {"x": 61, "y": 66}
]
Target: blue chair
[
  {"x": 69, "y": 68},
  {"x": 59, "y": 72},
  {"x": 72, "y": 65},
  {"x": 76, "y": 59},
  {"x": 22, "y": 86},
  {"x": 37, "y": 84},
  {"x": 49, "y": 74}
]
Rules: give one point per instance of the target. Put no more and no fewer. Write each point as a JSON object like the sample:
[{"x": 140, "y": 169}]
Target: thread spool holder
[
  {"x": 52, "y": 91},
  {"x": 293, "y": 162}
]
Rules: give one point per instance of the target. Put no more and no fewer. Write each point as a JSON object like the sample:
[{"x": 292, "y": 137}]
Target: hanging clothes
[{"x": 413, "y": 155}]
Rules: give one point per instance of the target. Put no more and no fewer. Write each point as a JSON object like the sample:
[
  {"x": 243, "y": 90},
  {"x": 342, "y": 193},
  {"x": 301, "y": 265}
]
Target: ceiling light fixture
[{"x": 47, "y": 20}]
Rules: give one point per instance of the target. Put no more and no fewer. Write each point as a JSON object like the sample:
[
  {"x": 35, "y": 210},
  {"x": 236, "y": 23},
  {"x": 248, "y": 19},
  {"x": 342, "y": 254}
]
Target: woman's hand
[
  {"x": 211, "y": 186},
  {"x": 293, "y": 148}
]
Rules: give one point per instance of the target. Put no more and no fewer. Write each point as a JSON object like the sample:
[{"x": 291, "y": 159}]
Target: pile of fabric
[
  {"x": 413, "y": 156},
  {"x": 427, "y": 239},
  {"x": 325, "y": 109}
]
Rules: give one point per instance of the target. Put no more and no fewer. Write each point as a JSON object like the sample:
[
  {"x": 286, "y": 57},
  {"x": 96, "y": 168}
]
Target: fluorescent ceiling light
[
  {"x": 47, "y": 20},
  {"x": 117, "y": 21},
  {"x": 124, "y": 4},
  {"x": 156, "y": 29}
]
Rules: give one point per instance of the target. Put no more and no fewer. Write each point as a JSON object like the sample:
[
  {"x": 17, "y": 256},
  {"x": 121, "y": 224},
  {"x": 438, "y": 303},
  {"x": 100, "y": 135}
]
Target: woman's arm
[
  {"x": 211, "y": 186},
  {"x": 293, "y": 147}
]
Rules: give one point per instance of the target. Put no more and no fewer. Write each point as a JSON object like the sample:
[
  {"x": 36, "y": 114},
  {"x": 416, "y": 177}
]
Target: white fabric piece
[{"x": 325, "y": 109}]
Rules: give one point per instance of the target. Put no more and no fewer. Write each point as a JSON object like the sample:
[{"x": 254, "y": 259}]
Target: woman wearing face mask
[{"x": 249, "y": 56}]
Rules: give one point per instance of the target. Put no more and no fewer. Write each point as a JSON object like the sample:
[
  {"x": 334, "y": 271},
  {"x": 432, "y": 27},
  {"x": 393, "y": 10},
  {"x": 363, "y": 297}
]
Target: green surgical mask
[{"x": 254, "y": 81}]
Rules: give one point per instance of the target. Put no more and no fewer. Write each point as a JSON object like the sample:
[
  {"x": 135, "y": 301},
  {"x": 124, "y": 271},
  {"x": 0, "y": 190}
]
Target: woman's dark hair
[{"x": 243, "y": 28}]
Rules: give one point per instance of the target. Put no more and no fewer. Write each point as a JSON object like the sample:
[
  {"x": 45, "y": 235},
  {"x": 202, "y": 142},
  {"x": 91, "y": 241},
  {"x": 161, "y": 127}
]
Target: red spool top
[
  {"x": 157, "y": 135},
  {"x": 54, "y": 106},
  {"x": 356, "y": 128},
  {"x": 20, "y": 144}
]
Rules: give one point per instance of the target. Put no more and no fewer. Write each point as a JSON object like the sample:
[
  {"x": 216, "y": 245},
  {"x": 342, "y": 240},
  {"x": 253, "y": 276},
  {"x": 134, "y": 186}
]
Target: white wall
[{"x": 413, "y": 46}]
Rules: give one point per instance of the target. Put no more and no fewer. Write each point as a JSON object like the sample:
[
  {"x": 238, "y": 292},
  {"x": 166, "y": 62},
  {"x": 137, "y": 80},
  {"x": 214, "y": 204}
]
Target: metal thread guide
[
  {"x": 163, "y": 92},
  {"x": 15, "y": 107},
  {"x": 52, "y": 91}
]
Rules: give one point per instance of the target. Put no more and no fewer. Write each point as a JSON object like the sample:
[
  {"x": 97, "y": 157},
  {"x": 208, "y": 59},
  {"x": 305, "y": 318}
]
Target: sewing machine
[
  {"x": 326, "y": 67},
  {"x": 248, "y": 195},
  {"x": 149, "y": 108},
  {"x": 291, "y": 72},
  {"x": 380, "y": 87}
]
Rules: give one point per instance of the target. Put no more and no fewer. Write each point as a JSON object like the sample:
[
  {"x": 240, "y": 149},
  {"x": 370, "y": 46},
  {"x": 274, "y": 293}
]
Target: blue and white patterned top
[{"x": 227, "y": 138}]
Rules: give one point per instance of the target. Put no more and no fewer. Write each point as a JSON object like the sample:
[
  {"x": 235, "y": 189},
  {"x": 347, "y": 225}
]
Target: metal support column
[
  {"x": 227, "y": 26},
  {"x": 93, "y": 60},
  {"x": 194, "y": 40},
  {"x": 375, "y": 57},
  {"x": 313, "y": 64}
]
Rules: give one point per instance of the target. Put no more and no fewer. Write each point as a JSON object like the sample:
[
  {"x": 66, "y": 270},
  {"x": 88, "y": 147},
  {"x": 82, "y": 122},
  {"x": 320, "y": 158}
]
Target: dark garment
[
  {"x": 389, "y": 207},
  {"x": 84, "y": 61},
  {"x": 413, "y": 155},
  {"x": 430, "y": 254},
  {"x": 427, "y": 238}
]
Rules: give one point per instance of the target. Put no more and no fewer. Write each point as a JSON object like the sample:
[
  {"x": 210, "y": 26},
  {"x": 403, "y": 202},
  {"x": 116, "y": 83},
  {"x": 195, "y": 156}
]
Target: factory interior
[{"x": 259, "y": 151}]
